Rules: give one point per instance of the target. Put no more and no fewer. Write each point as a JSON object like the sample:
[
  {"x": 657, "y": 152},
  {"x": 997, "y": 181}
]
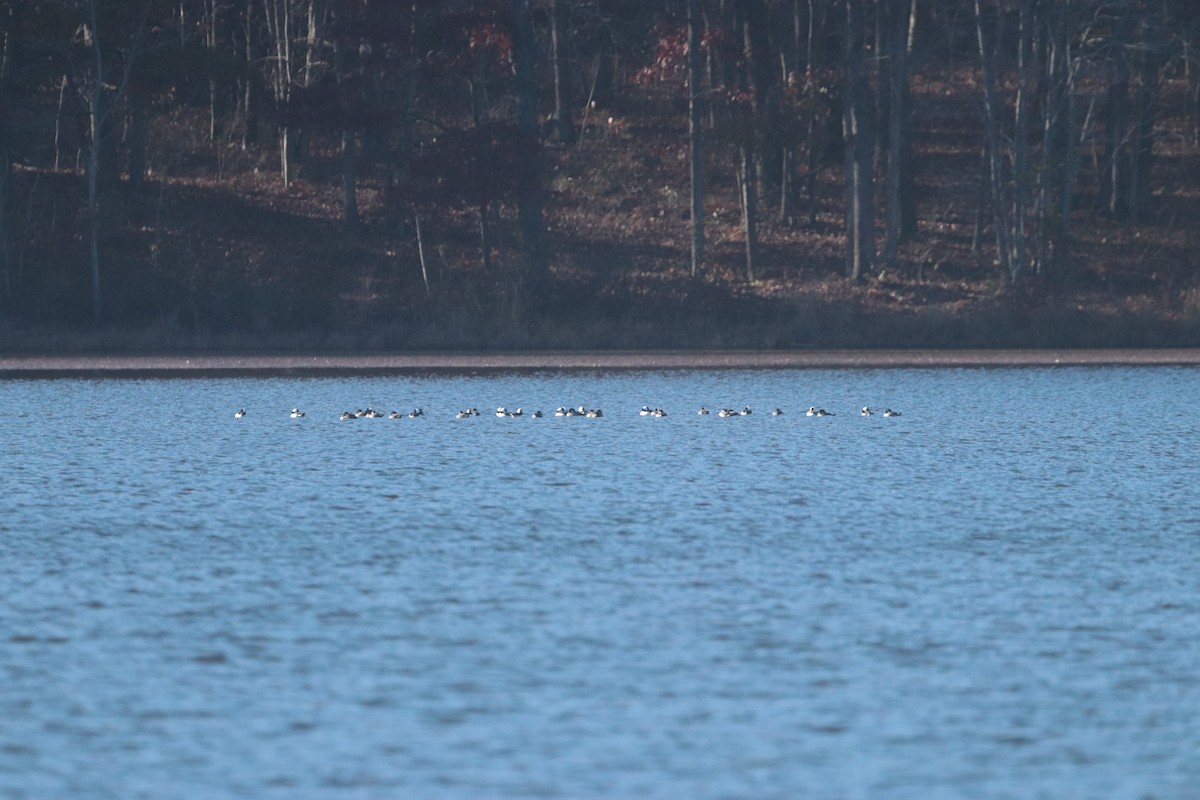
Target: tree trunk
[
  {"x": 696, "y": 135},
  {"x": 564, "y": 128},
  {"x": 1151, "y": 56},
  {"x": 278, "y": 19},
  {"x": 1021, "y": 135},
  {"x": 5, "y": 235},
  {"x": 908, "y": 188},
  {"x": 1114, "y": 187},
  {"x": 1073, "y": 158},
  {"x": 991, "y": 122},
  {"x": 1054, "y": 137},
  {"x": 897, "y": 164},
  {"x": 723, "y": 70},
  {"x": 787, "y": 183},
  {"x": 912, "y": 28},
  {"x": 756, "y": 48},
  {"x": 301, "y": 133},
  {"x": 137, "y": 143},
  {"x": 5, "y": 56},
  {"x": 749, "y": 202},
  {"x": 814, "y": 50},
  {"x": 400, "y": 165},
  {"x": 860, "y": 145},
  {"x": 479, "y": 112},
  {"x": 58, "y": 119},
  {"x": 981, "y": 203},
  {"x": 485, "y": 236},
  {"x": 885, "y": 11},
  {"x": 213, "y": 10},
  {"x": 249, "y": 83},
  {"x": 348, "y": 154},
  {"x": 799, "y": 29},
  {"x": 285, "y": 155},
  {"x": 529, "y": 189},
  {"x": 1193, "y": 69},
  {"x": 99, "y": 112}
]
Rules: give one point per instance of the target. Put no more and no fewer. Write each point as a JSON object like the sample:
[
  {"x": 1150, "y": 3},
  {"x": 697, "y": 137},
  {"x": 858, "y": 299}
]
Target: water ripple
[{"x": 955, "y": 603}]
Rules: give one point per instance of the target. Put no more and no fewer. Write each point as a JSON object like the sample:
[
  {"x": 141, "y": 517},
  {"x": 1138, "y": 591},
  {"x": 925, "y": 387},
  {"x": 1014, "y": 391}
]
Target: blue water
[{"x": 995, "y": 595}]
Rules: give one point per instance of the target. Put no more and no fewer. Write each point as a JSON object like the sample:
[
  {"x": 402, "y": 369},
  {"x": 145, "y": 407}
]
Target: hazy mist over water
[{"x": 992, "y": 596}]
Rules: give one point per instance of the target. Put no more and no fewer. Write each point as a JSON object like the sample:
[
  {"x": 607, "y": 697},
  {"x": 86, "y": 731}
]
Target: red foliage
[
  {"x": 490, "y": 41},
  {"x": 670, "y": 63}
]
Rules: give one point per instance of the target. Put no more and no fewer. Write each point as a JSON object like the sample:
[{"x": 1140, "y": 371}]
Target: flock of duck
[{"x": 567, "y": 411}]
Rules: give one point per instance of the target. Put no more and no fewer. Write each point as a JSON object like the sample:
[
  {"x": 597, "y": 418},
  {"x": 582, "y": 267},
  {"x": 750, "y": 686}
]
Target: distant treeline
[{"x": 450, "y": 103}]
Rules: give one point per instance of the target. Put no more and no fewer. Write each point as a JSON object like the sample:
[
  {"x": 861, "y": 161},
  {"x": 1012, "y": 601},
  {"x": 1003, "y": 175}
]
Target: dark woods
[{"x": 600, "y": 172}]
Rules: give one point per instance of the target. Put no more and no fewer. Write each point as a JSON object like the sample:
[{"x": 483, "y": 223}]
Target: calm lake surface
[{"x": 996, "y": 595}]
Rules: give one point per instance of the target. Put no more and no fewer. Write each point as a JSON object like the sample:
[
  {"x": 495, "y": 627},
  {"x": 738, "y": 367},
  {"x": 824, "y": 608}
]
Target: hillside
[{"x": 213, "y": 252}]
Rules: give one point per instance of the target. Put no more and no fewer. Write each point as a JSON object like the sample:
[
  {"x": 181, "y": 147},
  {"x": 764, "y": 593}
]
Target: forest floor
[{"x": 213, "y": 254}]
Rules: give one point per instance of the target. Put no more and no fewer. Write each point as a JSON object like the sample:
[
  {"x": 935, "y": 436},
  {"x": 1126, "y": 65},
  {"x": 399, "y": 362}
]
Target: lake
[{"x": 995, "y": 595}]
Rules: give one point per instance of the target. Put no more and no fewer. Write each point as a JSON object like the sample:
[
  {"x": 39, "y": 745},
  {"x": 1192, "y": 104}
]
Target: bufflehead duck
[
  {"x": 501, "y": 412},
  {"x": 394, "y": 415},
  {"x": 703, "y": 411},
  {"x": 727, "y": 412},
  {"x": 373, "y": 414},
  {"x": 416, "y": 412},
  {"x": 348, "y": 415},
  {"x": 777, "y": 412},
  {"x": 241, "y": 412},
  {"x": 646, "y": 411},
  {"x": 593, "y": 413},
  {"x": 536, "y": 415},
  {"x": 297, "y": 413},
  {"x": 889, "y": 413},
  {"x": 560, "y": 412},
  {"x": 745, "y": 412},
  {"x": 866, "y": 412},
  {"x": 463, "y": 414},
  {"x": 818, "y": 412}
]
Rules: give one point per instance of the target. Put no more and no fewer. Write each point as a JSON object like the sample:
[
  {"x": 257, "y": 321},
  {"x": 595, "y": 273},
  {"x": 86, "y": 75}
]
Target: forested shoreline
[{"x": 515, "y": 174}]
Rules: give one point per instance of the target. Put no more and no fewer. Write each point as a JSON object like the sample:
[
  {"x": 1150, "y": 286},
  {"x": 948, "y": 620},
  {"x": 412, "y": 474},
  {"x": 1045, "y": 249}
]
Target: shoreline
[{"x": 204, "y": 365}]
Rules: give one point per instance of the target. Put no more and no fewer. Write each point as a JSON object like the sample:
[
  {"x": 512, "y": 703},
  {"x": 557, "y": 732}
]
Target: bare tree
[
  {"x": 1114, "y": 186},
  {"x": 529, "y": 189},
  {"x": 1021, "y": 176},
  {"x": 102, "y": 168},
  {"x": 858, "y": 132},
  {"x": 5, "y": 233},
  {"x": 991, "y": 127},
  {"x": 278, "y": 16},
  {"x": 250, "y": 88},
  {"x": 898, "y": 162},
  {"x": 750, "y": 23},
  {"x": 1151, "y": 56},
  {"x": 564, "y": 128},
  {"x": 99, "y": 117},
  {"x": 1060, "y": 145},
  {"x": 348, "y": 152},
  {"x": 696, "y": 134},
  {"x": 5, "y": 186}
]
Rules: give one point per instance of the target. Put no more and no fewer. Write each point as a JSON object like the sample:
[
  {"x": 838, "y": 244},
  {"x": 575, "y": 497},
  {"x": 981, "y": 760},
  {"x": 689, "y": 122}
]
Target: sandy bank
[{"x": 224, "y": 364}]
